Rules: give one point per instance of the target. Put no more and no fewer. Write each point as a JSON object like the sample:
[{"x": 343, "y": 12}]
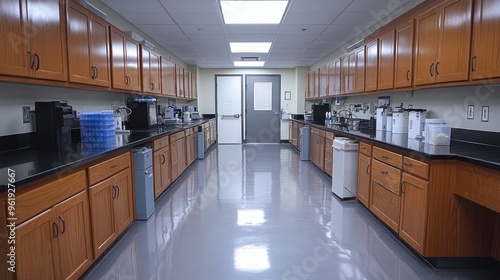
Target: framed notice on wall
[
  {"x": 288, "y": 95},
  {"x": 263, "y": 96}
]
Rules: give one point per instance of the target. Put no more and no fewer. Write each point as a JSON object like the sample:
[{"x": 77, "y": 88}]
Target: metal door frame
[
  {"x": 279, "y": 104},
  {"x": 242, "y": 93}
]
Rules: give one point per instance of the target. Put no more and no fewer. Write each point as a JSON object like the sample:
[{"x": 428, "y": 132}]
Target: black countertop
[
  {"x": 475, "y": 153},
  {"x": 31, "y": 164}
]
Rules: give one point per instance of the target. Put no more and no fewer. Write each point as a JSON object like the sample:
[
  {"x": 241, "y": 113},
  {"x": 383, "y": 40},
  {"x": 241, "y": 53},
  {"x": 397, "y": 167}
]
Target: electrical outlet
[{"x": 26, "y": 114}]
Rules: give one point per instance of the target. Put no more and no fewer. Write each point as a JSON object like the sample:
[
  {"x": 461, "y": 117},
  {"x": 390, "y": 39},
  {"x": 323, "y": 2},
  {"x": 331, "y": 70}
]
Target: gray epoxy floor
[{"x": 258, "y": 212}]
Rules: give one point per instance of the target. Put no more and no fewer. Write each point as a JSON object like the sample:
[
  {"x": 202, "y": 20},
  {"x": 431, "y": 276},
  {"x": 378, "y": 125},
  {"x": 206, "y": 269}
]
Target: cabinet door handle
[
  {"x": 114, "y": 192},
  {"x": 37, "y": 61},
  {"x": 118, "y": 191},
  {"x": 430, "y": 69},
  {"x": 96, "y": 72},
  {"x": 384, "y": 172},
  {"x": 163, "y": 157},
  {"x": 367, "y": 168},
  {"x": 474, "y": 60},
  {"x": 408, "y": 75},
  {"x": 437, "y": 68},
  {"x": 63, "y": 225},
  {"x": 93, "y": 72},
  {"x": 401, "y": 186},
  {"x": 32, "y": 60},
  {"x": 56, "y": 229}
]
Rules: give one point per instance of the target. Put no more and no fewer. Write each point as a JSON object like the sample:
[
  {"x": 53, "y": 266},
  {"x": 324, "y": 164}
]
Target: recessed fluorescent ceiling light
[
  {"x": 249, "y": 63},
  {"x": 250, "y": 47},
  {"x": 253, "y": 12}
]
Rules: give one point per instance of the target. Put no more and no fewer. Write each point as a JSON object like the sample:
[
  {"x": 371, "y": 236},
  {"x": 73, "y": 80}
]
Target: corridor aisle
[{"x": 258, "y": 212}]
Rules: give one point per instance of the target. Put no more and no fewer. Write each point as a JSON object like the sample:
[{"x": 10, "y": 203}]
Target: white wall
[{"x": 449, "y": 103}]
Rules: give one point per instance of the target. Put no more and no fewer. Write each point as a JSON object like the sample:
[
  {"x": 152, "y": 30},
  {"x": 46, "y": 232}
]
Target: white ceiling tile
[
  {"x": 291, "y": 45},
  {"x": 148, "y": 18},
  {"x": 315, "y": 53},
  {"x": 376, "y": 6},
  {"x": 160, "y": 29},
  {"x": 283, "y": 51},
  {"x": 174, "y": 38},
  {"x": 309, "y": 18},
  {"x": 202, "y": 38},
  {"x": 202, "y": 29},
  {"x": 131, "y": 6},
  {"x": 354, "y": 18},
  {"x": 299, "y": 28},
  {"x": 190, "y": 6},
  {"x": 295, "y": 38},
  {"x": 197, "y": 18},
  {"x": 318, "y": 6}
]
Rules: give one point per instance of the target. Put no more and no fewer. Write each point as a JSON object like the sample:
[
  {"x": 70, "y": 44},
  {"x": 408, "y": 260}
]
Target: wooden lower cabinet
[
  {"x": 111, "y": 204},
  {"x": 162, "y": 170},
  {"x": 328, "y": 156},
  {"x": 413, "y": 222},
  {"x": 56, "y": 243},
  {"x": 386, "y": 205},
  {"x": 363, "y": 186}
]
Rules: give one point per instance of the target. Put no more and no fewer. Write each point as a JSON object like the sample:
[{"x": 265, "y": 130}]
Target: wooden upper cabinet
[
  {"x": 187, "y": 83},
  {"x": 179, "y": 81},
  {"x": 88, "y": 47},
  {"x": 442, "y": 42},
  {"x": 125, "y": 61},
  {"x": 167, "y": 77},
  {"x": 334, "y": 77},
  {"x": 386, "y": 61},
  {"x": 344, "y": 74},
  {"x": 371, "y": 73},
  {"x": 310, "y": 85},
  {"x": 323, "y": 81},
  {"x": 316, "y": 83},
  {"x": 34, "y": 43},
  {"x": 150, "y": 65},
  {"x": 359, "y": 70},
  {"x": 485, "y": 57},
  {"x": 194, "y": 86},
  {"x": 403, "y": 64}
]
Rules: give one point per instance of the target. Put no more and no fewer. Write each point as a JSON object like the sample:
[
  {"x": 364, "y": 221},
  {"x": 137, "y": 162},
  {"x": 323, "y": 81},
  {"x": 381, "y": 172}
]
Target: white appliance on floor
[{"x": 345, "y": 166}]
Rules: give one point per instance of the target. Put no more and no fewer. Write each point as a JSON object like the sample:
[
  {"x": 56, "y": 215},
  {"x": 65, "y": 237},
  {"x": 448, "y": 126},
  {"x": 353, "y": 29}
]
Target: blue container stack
[{"x": 97, "y": 130}]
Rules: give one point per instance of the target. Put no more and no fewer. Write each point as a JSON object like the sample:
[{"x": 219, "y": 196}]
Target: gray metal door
[{"x": 263, "y": 108}]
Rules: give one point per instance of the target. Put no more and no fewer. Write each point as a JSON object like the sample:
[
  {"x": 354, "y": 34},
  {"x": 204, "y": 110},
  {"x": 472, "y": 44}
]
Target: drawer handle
[
  {"x": 114, "y": 166},
  {"x": 63, "y": 225},
  {"x": 384, "y": 172},
  {"x": 385, "y": 157},
  {"x": 407, "y": 164}
]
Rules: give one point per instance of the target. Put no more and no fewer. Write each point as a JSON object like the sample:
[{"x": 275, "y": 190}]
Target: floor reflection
[{"x": 258, "y": 212}]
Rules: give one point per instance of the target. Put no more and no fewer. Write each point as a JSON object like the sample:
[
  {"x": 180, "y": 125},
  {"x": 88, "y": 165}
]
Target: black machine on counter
[
  {"x": 53, "y": 125},
  {"x": 144, "y": 114},
  {"x": 319, "y": 112}
]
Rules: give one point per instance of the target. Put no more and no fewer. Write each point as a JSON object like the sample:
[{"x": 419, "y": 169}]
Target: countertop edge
[
  {"x": 468, "y": 159},
  {"x": 78, "y": 163}
]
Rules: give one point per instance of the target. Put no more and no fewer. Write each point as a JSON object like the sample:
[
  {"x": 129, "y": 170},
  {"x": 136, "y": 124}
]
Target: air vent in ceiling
[{"x": 249, "y": 58}]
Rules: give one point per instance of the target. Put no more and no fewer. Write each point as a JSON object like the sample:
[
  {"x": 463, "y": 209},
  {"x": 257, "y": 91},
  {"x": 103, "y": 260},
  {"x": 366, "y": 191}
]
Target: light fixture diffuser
[
  {"x": 250, "y": 47},
  {"x": 253, "y": 12},
  {"x": 249, "y": 63}
]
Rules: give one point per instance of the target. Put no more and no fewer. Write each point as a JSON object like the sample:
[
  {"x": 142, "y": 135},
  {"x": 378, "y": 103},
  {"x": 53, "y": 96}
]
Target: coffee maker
[{"x": 53, "y": 125}]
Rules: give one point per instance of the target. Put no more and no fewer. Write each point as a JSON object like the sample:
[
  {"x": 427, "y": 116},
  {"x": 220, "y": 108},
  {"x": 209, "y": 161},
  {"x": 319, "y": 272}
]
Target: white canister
[
  {"x": 381, "y": 119},
  {"x": 388, "y": 125},
  {"x": 416, "y": 124},
  {"x": 400, "y": 122}
]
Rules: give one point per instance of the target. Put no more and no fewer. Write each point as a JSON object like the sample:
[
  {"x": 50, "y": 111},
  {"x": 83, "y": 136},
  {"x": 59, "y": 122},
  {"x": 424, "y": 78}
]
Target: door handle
[
  {"x": 56, "y": 229},
  {"x": 32, "y": 60},
  {"x": 430, "y": 69},
  {"x": 37, "y": 61},
  {"x": 437, "y": 69},
  {"x": 118, "y": 191},
  {"x": 63, "y": 225},
  {"x": 276, "y": 113},
  {"x": 114, "y": 192},
  {"x": 408, "y": 75}
]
